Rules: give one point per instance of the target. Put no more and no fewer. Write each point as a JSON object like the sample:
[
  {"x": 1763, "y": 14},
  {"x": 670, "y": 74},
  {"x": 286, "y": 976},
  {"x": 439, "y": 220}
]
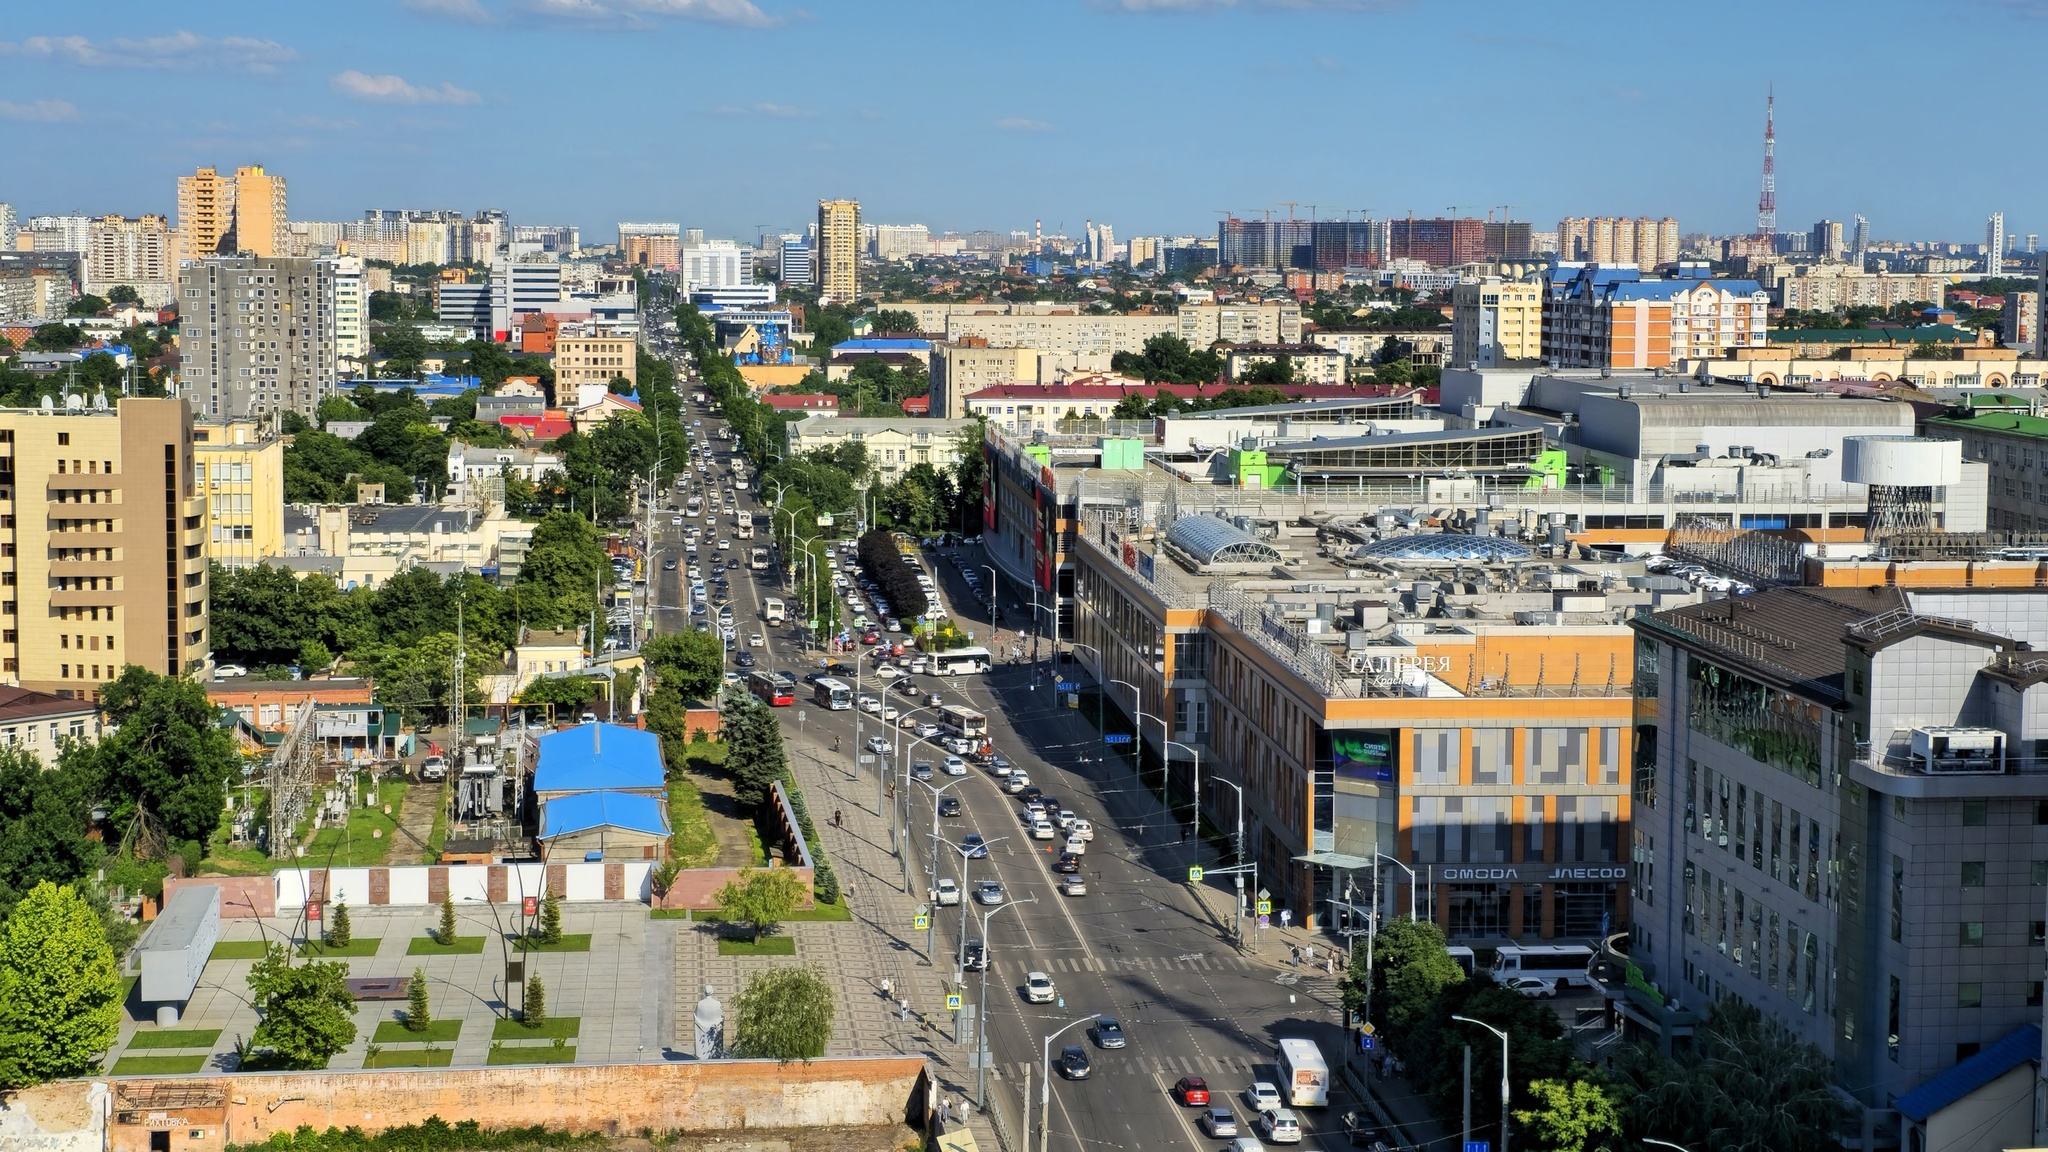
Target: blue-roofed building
[
  {"x": 1983, "y": 1104},
  {"x": 1611, "y": 316},
  {"x": 898, "y": 352},
  {"x": 598, "y": 757},
  {"x": 604, "y": 825}
]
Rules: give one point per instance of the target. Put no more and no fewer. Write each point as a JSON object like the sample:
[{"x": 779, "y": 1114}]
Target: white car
[
  {"x": 878, "y": 746},
  {"x": 1540, "y": 987},
  {"x": 890, "y": 712},
  {"x": 955, "y": 766},
  {"x": 927, "y": 729},
  {"x": 1072, "y": 885},
  {"x": 946, "y": 893},
  {"x": 1279, "y": 1126},
  {"x": 1038, "y": 988},
  {"x": 870, "y": 704},
  {"x": 888, "y": 672},
  {"x": 1262, "y": 1096},
  {"x": 1042, "y": 830},
  {"x": 757, "y": 641},
  {"x": 1017, "y": 782},
  {"x": 957, "y": 745},
  {"x": 1076, "y": 846}
]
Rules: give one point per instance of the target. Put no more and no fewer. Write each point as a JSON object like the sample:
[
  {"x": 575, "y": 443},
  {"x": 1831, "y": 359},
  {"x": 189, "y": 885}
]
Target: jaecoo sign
[{"x": 1529, "y": 873}]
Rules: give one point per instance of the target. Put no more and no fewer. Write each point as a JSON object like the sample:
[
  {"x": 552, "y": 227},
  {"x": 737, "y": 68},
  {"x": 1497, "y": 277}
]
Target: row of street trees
[{"x": 1744, "y": 1085}]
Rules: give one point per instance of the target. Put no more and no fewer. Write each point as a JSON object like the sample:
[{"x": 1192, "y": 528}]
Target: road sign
[
  {"x": 1265, "y": 921},
  {"x": 1478, "y": 1146},
  {"x": 1194, "y": 873},
  {"x": 1058, "y": 679},
  {"x": 921, "y": 922},
  {"x": 1116, "y": 738},
  {"x": 1265, "y": 906},
  {"x": 1365, "y": 1043},
  {"x": 529, "y": 906},
  {"x": 953, "y": 1001},
  {"x": 1368, "y": 1028}
]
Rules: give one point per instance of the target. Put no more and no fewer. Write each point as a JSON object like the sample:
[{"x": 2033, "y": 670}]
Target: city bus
[
  {"x": 1564, "y": 963},
  {"x": 963, "y": 722},
  {"x": 1304, "y": 1075},
  {"x": 772, "y": 688},
  {"x": 693, "y": 506},
  {"x": 836, "y": 695},
  {"x": 772, "y": 610},
  {"x": 959, "y": 662}
]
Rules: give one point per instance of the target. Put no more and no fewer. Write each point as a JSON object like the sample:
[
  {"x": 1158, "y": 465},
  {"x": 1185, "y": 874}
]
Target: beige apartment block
[
  {"x": 206, "y": 212},
  {"x": 960, "y": 370},
  {"x": 1495, "y": 321},
  {"x": 238, "y": 468},
  {"x": 583, "y": 359},
  {"x": 102, "y": 545},
  {"x": 839, "y": 245}
]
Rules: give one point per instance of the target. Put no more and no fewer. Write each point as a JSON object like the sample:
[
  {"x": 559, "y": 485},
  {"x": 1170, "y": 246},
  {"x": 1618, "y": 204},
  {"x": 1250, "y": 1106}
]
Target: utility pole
[{"x": 1466, "y": 1140}]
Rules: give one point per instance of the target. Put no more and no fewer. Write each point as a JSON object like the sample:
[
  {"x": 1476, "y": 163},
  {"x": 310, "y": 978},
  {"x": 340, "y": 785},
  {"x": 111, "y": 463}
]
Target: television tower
[{"x": 1767, "y": 200}]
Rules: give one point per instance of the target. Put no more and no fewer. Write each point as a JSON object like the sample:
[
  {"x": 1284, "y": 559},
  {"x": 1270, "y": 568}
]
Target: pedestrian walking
[
  {"x": 1330, "y": 966},
  {"x": 838, "y": 818},
  {"x": 903, "y": 1008},
  {"x": 946, "y": 1110},
  {"x": 888, "y": 989}
]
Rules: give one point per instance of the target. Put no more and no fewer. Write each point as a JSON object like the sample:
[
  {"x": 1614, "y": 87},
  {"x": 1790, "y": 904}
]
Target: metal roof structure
[
  {"x": 1443, "y": 548},
  {"x": 582, "y": 811},
  {"x": 599, "y": 757},
  {"x": 1211, "y": 540},
  {"x": 1482, "y": 450}
]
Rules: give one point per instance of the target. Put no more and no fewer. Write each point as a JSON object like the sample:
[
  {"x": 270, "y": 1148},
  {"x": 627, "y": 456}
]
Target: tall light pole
[
  {"x": 1666, "y": 1144},
  {"x": 1237, "y": 919},
  {"x": 1045, "y": 1080},
  {"x": 931, "y": 925},
  {"x": 1194, "y": 788},
  {"x": 1503, "y": 1075},
  {"x": 960, "y": 953},
  {"x": 981, "y": 1001},
  {"x": 1414, "y": 888},
  {"x": 991, "y": 593}
]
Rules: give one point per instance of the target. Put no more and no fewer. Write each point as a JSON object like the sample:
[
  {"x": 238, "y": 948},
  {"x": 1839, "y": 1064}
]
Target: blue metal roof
[
  {"x": 883, "y": 344},
  {"x": 581, "y": 811},
  {"x": 2017, "y": 1048},
  {"x": 1649, "y": 289},
  {"x": 598, "y": 757}
]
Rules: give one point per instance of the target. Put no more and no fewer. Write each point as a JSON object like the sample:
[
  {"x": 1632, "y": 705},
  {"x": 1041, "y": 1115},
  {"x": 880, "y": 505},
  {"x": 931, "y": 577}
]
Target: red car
[
  {"x": 871, "y": 638},
  {"x": 1192, "y": 1091}
]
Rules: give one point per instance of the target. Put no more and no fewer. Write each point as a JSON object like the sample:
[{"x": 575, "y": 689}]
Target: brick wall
[
  {"x": 241, "y": 897},
  {"x": 698, "y": 888},
  {"x": 620, "y": 1099}
]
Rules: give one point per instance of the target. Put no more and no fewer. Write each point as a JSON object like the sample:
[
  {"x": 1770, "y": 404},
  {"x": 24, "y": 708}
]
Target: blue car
[{"x": 976, "y": 847}]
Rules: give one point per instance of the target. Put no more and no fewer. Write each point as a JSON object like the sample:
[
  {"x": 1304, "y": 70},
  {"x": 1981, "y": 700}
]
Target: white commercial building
[{"x": 715, "y": 264}]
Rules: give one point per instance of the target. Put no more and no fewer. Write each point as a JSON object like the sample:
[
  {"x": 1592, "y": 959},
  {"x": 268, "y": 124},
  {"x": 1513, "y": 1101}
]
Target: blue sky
[{"x": 1148, "y": 114}]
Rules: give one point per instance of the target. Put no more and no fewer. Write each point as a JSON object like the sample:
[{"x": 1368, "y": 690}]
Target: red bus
[{"x": 772, "y": 688}]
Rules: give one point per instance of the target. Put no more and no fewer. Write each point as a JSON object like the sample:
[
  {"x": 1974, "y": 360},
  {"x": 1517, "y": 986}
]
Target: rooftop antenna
[{"x": 1767, "y": 199}]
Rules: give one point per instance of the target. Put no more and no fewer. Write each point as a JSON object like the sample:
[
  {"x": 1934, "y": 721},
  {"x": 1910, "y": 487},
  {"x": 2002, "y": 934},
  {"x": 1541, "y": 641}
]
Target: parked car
[
  {"x": 434, "y": 768},
  {"x": 1541, "y": 987}
]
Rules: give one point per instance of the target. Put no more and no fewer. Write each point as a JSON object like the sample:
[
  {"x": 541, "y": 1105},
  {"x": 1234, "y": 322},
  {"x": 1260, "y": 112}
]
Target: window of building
[
  {"x": 1898, "y": 903},
  {"x": 1970, "y": 994},
  {"x": 1891, "y": 1042},
  {"x": 1973, "y": 873},
  {"x": 1976, "y": 814},
  {"x": 1970, "y": 934}
]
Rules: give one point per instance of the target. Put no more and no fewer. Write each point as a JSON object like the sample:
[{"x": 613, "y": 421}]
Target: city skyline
[{"x": 421, "y": 104}]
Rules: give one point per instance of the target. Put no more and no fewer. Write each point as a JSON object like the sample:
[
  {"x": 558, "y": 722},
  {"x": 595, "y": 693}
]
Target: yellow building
[
  {"x": 226, "y": 215},
  {"x": 1496, "y": 322},
  {"x": 206, "y": 212},
  {"x": 102, "y": 545},
  {"x": 583, "y": 359},
  {"x": 839, "y": 244},
  {"x": 238, "y": 466},
  {"x": 259, "y": 212}
]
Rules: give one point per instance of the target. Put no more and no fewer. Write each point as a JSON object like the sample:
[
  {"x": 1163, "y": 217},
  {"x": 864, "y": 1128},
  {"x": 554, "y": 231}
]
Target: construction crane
[
  {"x": 1311, "y": 213},
  {"x": 1290, "y": 207}
]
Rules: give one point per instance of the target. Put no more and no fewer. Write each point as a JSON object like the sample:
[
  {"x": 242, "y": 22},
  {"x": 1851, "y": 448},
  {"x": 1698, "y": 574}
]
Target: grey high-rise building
[
  {"x": 257, "y": 334},
  {"x": 9, "y": 225},
  {"x": 1859, "y": 240}
]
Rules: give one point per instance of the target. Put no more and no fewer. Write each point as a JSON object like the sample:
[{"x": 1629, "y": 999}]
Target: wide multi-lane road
[{"x": 1138, "y": 946}]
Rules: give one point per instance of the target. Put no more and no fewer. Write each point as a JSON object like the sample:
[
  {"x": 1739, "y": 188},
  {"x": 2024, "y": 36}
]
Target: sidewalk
[{"x": 888, "y": 948}]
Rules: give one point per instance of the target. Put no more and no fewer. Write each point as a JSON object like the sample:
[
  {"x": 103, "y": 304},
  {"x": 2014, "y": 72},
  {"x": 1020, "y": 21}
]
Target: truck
[{"x": 772, "y": 610}]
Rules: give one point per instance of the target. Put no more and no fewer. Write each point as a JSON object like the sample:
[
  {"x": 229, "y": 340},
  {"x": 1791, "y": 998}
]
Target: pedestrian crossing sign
[
  {"x": 1194, "y": 873},
  {"x": 921, "y": 921},
  {"x": 952, "y": 1001},
  {"x": 1265, "y": 907}
]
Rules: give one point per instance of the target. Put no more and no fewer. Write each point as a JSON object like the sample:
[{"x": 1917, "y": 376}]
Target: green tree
[
  {"x": 339, "y": 934},
  {"x": 1570, "y": 1115},
  {"x": 1167, "y": 359},
  {"x": 60, "y": 992},
  {"x": 44, "y": 824},
  {"x": 305, "y": 1009},
  {"x": 418, "y": 1007},
  {"x": 691, "y": 664},
  {"x": 564, "y": 569},
  {"x": 533, "y": 1003},
  {"x": 123, "y": 294},
  {"x": 754, "y": 757},
  {"x": 550, "y": 928},
  {"x": 828, "y": 330},
  {"x": 784, "y": 1014},
  {"x": 895, "y": 320},
  {"x": 444, "y": 935},
  {"x": 167, "y": 754},
  {"x": 1279, "y": 370},
  {"x": 1745, "y": 1085},
  {"x": 86, "y": 305},
  {"x": 1411, "y": 966},
  {"x": 760, "y": 898}
]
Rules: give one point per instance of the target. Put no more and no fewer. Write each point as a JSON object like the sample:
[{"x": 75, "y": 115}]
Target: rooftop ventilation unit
[{"x": 1958, "y": 751}]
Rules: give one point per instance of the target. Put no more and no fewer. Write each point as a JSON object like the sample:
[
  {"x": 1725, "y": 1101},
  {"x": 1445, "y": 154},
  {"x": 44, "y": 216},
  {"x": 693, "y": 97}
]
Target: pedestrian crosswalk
[
  {"x": 1188, "y": 962},
  {"x": 1224, "y": 1072}
]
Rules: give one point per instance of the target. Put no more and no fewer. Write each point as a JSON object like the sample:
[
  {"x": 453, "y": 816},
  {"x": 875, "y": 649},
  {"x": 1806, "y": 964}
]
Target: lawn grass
[
  {"x": 552, "y": 1028},
  {"x": 412, "y": 1058},
  {"x": 428, "y": 946},
  {"x": 818, "y": 913},
  {"x": 355, "y": 846},
  {"x": 532, "y": 1054},
  {"x": 238, "y": 950},
  {"x": 437, "y": 1032},
  {"x": 437, "y": 837},
  {"x": 570, "y": 942},
  {"x": 358, "y": 947},
  {"x": 175, "y": 1038},
  {"x": 158, "y": 1065},
  {"x": 692, "y": 844},
  {"x": 766, "y": 946},
  {"x": 224, "y": 856}
]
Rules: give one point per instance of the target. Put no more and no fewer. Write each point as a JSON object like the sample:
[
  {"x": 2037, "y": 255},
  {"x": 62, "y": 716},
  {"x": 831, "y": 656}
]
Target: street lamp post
[
  {"x": 1045, "y": 1080},
  {"x": 1666, "y": 1144},
  {"x": 1414, "y": 888},
  {"x": 991, "y": 593},
  {"x": 1194, "y": 786},
  {"x": 1098, "y": 678},
  {"x": 931, "y": 925},
  {"x": 1503, "y": 1076},
  {"x": 981, "y": 1002}
]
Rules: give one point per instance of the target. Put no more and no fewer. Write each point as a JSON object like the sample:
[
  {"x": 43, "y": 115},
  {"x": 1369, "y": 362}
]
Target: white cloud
[
  {"x": 39, "y": 111},
  {"x": 1148, "y": 6},
  {"x": 771, "y": 110},
  {"x": 398, "y": 90},
  {"x": 736, "y": 13},
  {"x": 469, "y": 11},
  {"x": 179, "y": 50},
  {"x": 1023, "y": 124}
]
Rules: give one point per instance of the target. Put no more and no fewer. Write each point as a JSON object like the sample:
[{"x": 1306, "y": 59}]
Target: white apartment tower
[{"x": 1994, "y": 244}]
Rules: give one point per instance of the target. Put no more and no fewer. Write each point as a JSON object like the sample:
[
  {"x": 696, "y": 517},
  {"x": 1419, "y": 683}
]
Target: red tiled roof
[
  {"x": 1107, "y": 391},
  {"x": 539, "y": 429},
  {"x": 801, "y": 402},
  {"x": 917, "y": 405}
]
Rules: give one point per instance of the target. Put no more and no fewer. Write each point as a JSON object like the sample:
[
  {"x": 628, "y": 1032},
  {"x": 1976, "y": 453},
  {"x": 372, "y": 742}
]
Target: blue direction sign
[
  {"x": 1365, "y": 1043},
  {"x": 1478, "y": 1146},
  {"x": 1116, "y": 738}
]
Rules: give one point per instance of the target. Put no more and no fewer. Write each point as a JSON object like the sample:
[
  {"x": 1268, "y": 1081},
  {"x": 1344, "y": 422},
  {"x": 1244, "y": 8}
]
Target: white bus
[
  {"x": 693, "y": 506},
  {"x": 963, "y": 722},
  {"x": 1304, "y": 1075},
  {"x": 1564, "y": 963},
  {"x": 836, "y": 695},
  {"x": 757, "y": 559},
  {"x": 772, "y": 610},
  {"x": 959, "y": 662}
]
